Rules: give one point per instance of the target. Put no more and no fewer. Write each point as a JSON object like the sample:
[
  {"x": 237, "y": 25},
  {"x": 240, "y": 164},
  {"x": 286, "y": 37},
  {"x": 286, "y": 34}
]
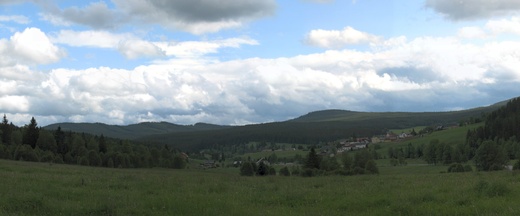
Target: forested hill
[
  {"x": 503, "y": 123},
  {"x": 314, "y": 127},
  {"x": 320, "y": 126},
  {"x": 132, "y": 131},
  {"x": 408, "y": 118}
]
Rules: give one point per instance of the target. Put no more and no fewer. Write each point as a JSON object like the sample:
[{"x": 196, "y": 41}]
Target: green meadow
[{"x": 51, "y": 189}]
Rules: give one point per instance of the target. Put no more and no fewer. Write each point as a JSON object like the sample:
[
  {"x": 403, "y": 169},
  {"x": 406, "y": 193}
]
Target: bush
[
  {"x": 371, "y": 167},
  {"x": 247, "y": 169},
  {"x": 516, "y": 166},
  {"x": 272, "y": 171},
  {"x": 296, "y": 170},
  {"x": 58, "y": 159},
  {"x": 456, "y": 167},
  {"x": 468, "y": 168},
  {"x": 358, "y": 171},
  {"x": 284, "y": 171},
  {"x": 312, "y": 172}
]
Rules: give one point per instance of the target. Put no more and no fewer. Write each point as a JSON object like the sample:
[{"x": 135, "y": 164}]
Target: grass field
[{"x": 44, "y": 189}]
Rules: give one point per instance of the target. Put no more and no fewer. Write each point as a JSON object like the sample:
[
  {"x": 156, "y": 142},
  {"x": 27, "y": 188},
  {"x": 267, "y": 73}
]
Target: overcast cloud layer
[{"x": 195, "y": 80}]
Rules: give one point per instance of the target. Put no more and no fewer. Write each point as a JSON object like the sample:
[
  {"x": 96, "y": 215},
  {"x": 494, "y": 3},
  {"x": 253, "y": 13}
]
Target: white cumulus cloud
[
  {"x": 339, "y": 38},
  {"x": 31, "y": 46}
]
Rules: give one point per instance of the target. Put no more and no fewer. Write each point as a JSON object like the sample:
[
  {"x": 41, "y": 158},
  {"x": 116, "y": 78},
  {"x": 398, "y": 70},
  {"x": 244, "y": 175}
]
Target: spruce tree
[
  {"x": 31, "y": 134},
  {"x": 313, "y": 160},
  {"x": 6, "y": 131}
]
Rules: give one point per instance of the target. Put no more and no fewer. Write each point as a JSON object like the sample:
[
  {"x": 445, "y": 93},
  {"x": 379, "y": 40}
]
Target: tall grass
[{"x": 44, "y": 189}]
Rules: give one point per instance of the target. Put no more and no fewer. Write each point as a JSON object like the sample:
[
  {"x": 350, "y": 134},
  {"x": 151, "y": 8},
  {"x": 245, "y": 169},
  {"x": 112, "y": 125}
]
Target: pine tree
[{"x": 313, "y": 160}]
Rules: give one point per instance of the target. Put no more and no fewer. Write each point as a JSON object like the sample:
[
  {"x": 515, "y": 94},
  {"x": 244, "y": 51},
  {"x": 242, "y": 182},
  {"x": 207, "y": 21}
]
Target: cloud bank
[{"x": 194, "y": 16}]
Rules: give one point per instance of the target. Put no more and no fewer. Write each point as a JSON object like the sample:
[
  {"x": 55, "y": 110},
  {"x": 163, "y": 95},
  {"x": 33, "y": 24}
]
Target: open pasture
[{"x": 45, "y": 189}]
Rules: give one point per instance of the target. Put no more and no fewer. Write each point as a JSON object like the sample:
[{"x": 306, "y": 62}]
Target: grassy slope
[
  {"x": 451, "y": 137},
  {"x": 41, "y": 189}
]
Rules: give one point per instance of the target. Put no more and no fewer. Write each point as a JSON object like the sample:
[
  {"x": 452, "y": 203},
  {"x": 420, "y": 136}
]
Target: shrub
[
  {"x": 371, "y": 167},
  {"x": 516, "y": 166},
  {"x": 296, "y": 170},
  {"x": 468, "y": 168},
  {"x": 272, "y": 171},
  {"x": 247, "y": 169},
  {"x": 456, "y": 167},
  {"x": 358, "y": 171},
  {"x": 284, "y": 171}
]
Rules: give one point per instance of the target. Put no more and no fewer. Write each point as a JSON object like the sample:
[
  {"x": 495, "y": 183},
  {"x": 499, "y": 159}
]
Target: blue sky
[{"x": 252, "y": 61}]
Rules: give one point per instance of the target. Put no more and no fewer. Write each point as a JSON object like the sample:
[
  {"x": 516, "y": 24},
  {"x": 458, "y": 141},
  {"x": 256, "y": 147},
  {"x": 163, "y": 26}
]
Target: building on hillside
[
  {"x": 377, "y": 139},
  {"x": 404, "y": 135},
  {"x": 263, "y": 160},
  {"x": 390, "y": 137},
  {"x": 208, "y": 164}
]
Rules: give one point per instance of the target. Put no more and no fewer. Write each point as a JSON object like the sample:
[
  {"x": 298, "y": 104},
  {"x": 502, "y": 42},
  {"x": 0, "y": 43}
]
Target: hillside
[
  {"x": 132, "y": 131},
  {"x": 409, "y": 118}
]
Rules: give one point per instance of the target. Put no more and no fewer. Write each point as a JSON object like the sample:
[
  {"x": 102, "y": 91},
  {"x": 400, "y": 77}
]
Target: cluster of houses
[{"x": 362, "y": 143}]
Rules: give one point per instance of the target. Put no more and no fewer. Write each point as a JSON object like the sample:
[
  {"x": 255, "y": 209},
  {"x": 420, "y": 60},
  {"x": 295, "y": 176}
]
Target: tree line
[
  {"x": 31, "y": 143},
  {"x": 316, "y": 165}
]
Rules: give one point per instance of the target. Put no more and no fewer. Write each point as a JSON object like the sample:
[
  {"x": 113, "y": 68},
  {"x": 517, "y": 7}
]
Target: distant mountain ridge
[{"x": 132, "y": 131}]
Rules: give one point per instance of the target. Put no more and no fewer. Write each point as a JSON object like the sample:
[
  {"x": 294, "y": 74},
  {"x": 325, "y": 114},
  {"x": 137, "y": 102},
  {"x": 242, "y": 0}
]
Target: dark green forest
[
  {"x": 495, "y": 143},
  {"x": 31, "y": 143}
]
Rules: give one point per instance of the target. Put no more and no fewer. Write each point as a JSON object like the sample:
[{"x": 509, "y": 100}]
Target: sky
[{"x": 252, "y": 61}]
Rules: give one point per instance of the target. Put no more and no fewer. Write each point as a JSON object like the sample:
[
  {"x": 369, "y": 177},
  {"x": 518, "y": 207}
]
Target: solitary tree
[{"x": 313, "y": 160}]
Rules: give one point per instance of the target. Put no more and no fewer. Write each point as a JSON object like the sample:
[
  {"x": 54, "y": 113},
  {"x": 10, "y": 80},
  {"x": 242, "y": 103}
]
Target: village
[{"x": 329, "y": 149}]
